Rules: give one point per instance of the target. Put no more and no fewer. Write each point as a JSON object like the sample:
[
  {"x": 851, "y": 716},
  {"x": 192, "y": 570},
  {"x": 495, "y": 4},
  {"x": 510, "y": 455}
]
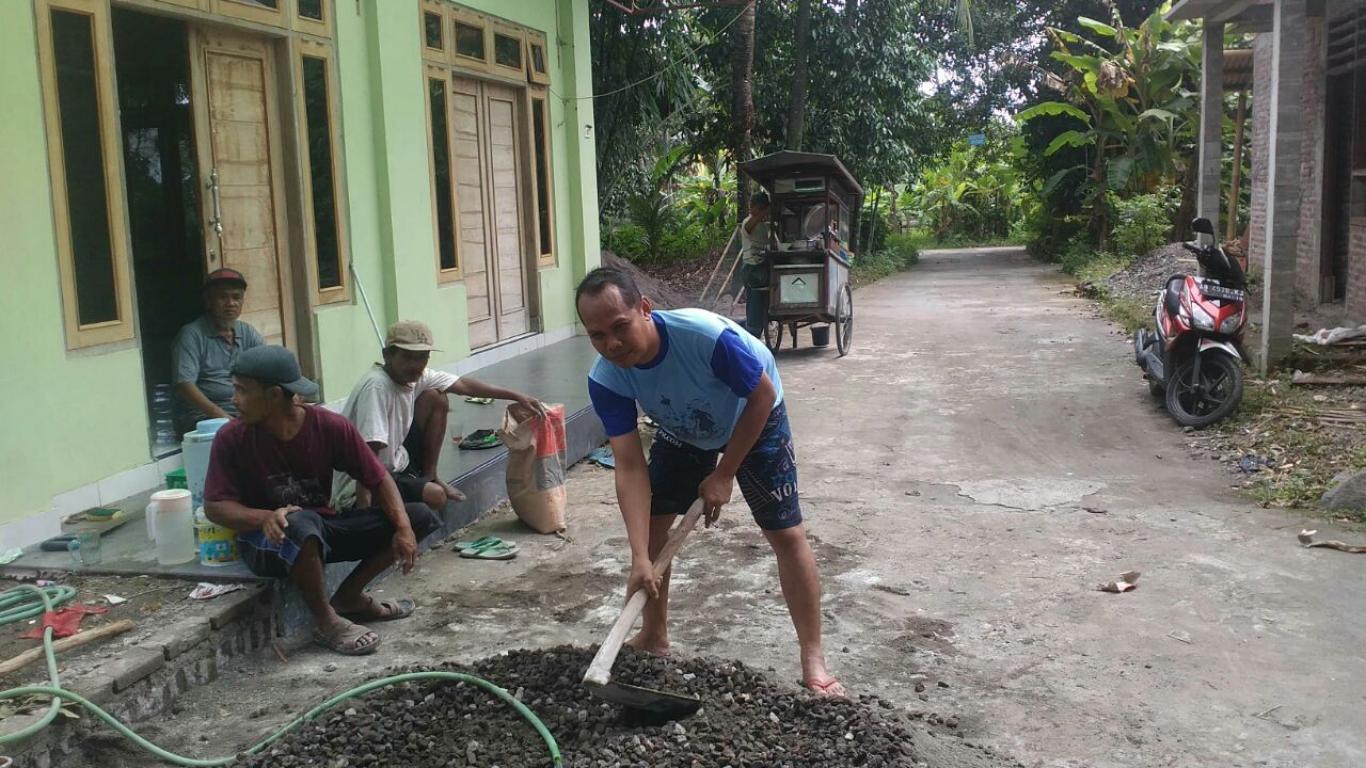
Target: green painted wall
[
  {"x": 70, "y": 418},
  {"x": 74, "y": 418}
]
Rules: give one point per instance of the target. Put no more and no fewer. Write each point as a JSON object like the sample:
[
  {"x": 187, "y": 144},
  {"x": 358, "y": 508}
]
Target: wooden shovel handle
[{"x": 600, "y": 671}]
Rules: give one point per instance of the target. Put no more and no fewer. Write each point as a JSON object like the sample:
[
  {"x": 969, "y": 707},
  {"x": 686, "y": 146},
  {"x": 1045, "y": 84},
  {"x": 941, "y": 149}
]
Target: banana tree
[{"x": 1132, "y": 98}]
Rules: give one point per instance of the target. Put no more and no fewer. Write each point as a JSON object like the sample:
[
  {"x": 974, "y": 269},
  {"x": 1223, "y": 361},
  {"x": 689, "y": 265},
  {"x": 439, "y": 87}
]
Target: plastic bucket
[
  {"x": 820, "y": 335},
  {"x": 217, "y": 545}
]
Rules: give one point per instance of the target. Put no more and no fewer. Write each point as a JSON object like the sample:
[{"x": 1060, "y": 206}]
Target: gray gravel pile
[
  {"x": 1145, "y": 276},
  {"x": 746, "y": 721}
]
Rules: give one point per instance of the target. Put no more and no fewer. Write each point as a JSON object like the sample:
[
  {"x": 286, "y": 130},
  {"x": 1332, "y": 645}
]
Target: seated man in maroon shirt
[{"x": 270, "y": 479}]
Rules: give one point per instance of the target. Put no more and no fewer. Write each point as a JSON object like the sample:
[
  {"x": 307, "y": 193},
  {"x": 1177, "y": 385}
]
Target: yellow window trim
[
  {"x": 120, "y": 329},
  {"x": 248, "y": 11},
  {"x": 470, "y": 19},
  {"x": 536, "y": 39},
  {"x": 543, "y": 258},
  {"x": 342, "y": 292},
  {"x": 443, "y": 275},
  {"x": 321, "y": 28}
]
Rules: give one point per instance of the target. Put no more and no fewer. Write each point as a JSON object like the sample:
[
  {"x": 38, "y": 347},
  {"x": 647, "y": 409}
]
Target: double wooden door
[
  {"x": 490, "y": 170},
  {"x": 237, "y": 139}
]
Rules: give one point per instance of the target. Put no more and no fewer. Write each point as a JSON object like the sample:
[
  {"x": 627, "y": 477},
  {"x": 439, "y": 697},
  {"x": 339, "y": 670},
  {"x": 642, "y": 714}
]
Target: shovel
[{"x": 642, "y": 704}]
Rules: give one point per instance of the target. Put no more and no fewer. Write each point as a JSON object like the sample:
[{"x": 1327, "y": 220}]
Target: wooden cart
[{"x": 814, "y": 198}]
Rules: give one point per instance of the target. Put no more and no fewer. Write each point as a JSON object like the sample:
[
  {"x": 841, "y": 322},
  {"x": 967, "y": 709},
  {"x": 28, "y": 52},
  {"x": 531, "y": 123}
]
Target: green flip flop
[
  {"x": 496, "y": 550},
  {"x": 482, "y": 541}
]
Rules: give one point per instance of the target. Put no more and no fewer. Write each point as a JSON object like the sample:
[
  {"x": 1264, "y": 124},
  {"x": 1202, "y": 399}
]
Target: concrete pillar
[
  {"x": 1288, "y": 45},
  {"x": 1211, "y": 123},
  {"x": 574, "y": 49}
]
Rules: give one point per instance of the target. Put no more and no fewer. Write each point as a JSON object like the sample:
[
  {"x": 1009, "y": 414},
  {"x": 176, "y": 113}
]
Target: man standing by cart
[
  {"x": 715, "y": 392},
  {"x": 755, "y": 236}
]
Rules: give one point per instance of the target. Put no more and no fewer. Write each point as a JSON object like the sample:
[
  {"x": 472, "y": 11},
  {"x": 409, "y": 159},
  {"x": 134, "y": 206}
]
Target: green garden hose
[{"x": 17, "y": 606}]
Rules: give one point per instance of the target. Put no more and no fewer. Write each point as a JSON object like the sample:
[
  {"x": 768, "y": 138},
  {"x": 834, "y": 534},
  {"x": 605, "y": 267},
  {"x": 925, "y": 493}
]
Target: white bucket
[{"x": 195, "y": 449}]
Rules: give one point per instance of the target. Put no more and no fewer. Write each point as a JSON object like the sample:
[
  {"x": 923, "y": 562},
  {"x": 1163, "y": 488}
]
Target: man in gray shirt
[{"x": 205, "y": 350}]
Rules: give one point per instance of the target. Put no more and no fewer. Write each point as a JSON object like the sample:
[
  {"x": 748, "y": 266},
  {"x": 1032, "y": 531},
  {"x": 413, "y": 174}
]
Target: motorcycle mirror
[{"x": 1203, "y": 226}]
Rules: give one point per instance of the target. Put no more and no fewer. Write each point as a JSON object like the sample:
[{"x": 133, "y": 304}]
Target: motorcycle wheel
[{"x": 1222, "y": 383}]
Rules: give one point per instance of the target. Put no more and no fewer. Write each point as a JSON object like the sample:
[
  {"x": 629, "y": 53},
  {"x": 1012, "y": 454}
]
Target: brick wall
[
  {"x": 1309, "y": 242},
  {"x": 1356, "y": 274},
  {"x": 1261, "y": 121}
]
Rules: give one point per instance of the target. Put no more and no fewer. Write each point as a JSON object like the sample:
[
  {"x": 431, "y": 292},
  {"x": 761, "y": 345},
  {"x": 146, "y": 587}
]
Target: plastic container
[
  {"x": 173, "y": 526},
  {"x": 195, "y": 452},
  {"x": 217, "y": 545},
  {"x": 820, "y": 335},
  {"x": 176, "y": 479}
]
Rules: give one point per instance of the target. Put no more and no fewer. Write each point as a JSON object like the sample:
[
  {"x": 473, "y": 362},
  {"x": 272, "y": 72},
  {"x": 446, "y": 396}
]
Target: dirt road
[{"x": 984, "y": 458}]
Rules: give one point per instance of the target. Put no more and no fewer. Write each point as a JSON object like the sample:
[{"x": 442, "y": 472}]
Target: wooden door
[
  {"x": 486, "y": 127},
  {"x": 506, "y": 165},
  {"x": 467, "y": 132},
  {"x": 236, "y": 133}
]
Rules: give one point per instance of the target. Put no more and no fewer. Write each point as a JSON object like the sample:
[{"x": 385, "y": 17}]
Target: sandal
[
  {"x": 482, "y": 541},
  {"x": 381, "y": 610},
  {"x": 347, "y": 639},
  {"x": 830, "y": 689},
  {"x": 479, "y": 440},
  {"x": 495, "y": 550}
]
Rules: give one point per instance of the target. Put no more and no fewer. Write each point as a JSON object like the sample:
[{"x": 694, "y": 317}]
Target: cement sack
[{"x": 536, "y": 466}]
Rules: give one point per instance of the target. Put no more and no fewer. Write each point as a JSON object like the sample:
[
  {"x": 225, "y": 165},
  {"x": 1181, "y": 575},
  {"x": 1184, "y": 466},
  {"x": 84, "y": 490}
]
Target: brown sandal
[
  {"x": 381, "y": 610},
  {"x": 347, "y": 639}
]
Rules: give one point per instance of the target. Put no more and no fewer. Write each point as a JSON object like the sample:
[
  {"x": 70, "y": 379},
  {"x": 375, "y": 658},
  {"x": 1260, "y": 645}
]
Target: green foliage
[
  {"x": 898, "y": 254},
  {"x": 1126, "y": 123},
  {"x": 1143, "y": 222},
  {"x": 1078, "y": 254},
  {"x": 975, "y": 193}
]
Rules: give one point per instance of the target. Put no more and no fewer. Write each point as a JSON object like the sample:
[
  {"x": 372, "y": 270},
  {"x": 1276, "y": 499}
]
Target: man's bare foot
[
  {"x": 452, "y": 493},
  {"x": 830, "y": 688},
  {"x": 817, "y": 678},
  {"x": 651, "y": 645}
]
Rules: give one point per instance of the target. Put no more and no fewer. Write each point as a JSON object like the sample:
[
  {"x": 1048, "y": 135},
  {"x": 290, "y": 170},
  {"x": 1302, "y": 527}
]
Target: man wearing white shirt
[
  {"x": 755, "y": 238},
  {"x": 400, "y": 409}
]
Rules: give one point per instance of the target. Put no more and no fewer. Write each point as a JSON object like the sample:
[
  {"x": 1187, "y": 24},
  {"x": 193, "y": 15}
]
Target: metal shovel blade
[{"x": 647, "y": 705}]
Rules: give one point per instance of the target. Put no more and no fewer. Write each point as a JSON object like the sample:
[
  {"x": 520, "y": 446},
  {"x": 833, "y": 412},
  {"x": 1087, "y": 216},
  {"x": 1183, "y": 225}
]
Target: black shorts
[
  {"x": 409, "y": 480},
  {"x": 767, "y": 476},
  {"x": 351, "y": 535},
  {"x": 409, "y": 486}
]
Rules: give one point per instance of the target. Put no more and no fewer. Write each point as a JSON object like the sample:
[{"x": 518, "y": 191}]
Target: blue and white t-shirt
[{"x": 695, "y": 388}]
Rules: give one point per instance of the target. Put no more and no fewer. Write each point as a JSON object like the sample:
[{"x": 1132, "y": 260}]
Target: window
[
  {"x": 443, "y": 180},
  {"x": 507, "y": 49},
  {"x": 470, "y": 40},
  {"x": 319, "y": 135},
  {"x": 432, "y": 29},
  {"x": 538, "y": 68},
  {"x": 311, "y": 17},
  {"x": 263, "y": 11},
  {"x": 545, "y": 219},
  {"x": 84, "y": 154}
]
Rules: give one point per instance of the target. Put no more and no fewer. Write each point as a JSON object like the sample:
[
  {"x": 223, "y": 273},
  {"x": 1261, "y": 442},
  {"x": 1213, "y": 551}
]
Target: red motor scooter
[{"x": 1194, "y": 355}]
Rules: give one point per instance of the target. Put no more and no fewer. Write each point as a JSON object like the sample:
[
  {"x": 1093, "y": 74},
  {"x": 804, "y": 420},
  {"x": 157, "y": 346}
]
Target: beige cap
[{"x": 411, "y": 335}]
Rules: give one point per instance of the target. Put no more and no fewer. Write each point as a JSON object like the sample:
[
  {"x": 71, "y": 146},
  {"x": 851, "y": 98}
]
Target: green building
[{"x": 359, "y": 160}]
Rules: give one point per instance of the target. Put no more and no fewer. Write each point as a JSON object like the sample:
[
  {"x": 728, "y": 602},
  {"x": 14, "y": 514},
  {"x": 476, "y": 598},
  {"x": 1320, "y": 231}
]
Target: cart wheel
[
  {"x": 844, "y": 320},
  {"x": 773, "y": 336}
]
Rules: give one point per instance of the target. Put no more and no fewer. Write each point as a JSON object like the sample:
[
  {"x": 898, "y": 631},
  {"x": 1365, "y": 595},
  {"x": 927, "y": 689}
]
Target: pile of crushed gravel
[
  {"x": 1145, "y": 276},
  {"x": 746, "y": 721}
]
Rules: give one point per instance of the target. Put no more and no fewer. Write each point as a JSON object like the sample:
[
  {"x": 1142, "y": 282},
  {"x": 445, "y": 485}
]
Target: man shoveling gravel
[{"x": 714, "y": 390}]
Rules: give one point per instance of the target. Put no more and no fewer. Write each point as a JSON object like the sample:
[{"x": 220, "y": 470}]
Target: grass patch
[
  {"x": 899, "y": 255},
  {"x": 923, "y": 241},
  {"x": 1128, "y": 313},
  {"x": 1278, "y": 424}
]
